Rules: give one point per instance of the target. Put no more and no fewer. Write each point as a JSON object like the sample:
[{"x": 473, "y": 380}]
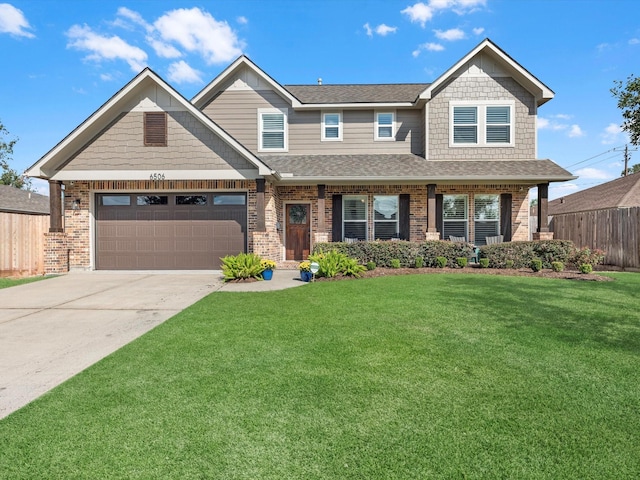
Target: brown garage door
[{"x": 188, "y": 231}]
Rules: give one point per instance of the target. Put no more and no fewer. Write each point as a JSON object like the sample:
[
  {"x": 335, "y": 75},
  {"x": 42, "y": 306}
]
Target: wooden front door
[{"x": 298, "y": 232}]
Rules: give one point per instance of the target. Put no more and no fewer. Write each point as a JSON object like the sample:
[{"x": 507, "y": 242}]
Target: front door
[{"x": 298, "y": 232}]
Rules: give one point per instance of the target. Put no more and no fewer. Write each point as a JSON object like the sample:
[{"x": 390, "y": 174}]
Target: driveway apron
[{"x": 52, "y": 329}]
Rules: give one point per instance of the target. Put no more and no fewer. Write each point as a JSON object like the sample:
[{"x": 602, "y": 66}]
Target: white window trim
[
  {"x": 285, "y": 112},
  {"x": 466, "y": 211},
  {"x": 366, "y": 214},
  {"x": 392, "y": 138},
  {"x": 323, "y": 132},
  {"x": 482, "y": 122}
]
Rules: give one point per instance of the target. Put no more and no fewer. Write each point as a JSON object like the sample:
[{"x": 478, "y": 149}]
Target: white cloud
[
  {"x": 101, "y": 47},
  {"x": 478, "y": 31},
  {"x": 634, "y": 41},
  {"x": 575, "y": 131},
  {"x": 367, "y": 28},
  {"x": 421, "y": 12},
  {"x": 13, "y": 21},
  {"x": 242, "y": 20},
  {"x": 162, "y": 49},
  {"x": 612, "y": 134},
  {"x": 181, "y": 72},
  {"x": 106, "y": 77},
  {"x": 543, "y": 123},
  {"x": 589, "y": 173},
  {"x": 135, "y": 17},
  {"x": 429, "y": 46},
  {"x": 562, "y": 116},
  {"x": 383, "y": 29},
  {"x": 450, "y": 35},
  {"x": 562, "y": 189},
  {"x": 197, "y": 31}
]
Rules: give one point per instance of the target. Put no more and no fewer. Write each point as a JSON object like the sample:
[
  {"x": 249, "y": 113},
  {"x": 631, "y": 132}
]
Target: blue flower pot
[
  {"x": 305, "y": 276},
  {"x": 267, "y": 274}
]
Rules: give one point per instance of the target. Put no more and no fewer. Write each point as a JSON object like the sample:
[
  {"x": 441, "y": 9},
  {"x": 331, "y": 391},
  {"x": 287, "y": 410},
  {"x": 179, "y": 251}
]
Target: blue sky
[{"x": 61, "y": 60}]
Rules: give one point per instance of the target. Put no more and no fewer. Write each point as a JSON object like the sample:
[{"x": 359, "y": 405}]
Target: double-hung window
[
  {"x": 385, "y": 221},
  {"x": 486, "y": 215},
  {"x": 354, "y": 214},
  {"x": 332, "y": 126},
  {"x": 273, "y": 130},
  {"x": 481, "y": 124},
  {"x": 385, "y": 126},
  {"x": 455, "y": 216}
]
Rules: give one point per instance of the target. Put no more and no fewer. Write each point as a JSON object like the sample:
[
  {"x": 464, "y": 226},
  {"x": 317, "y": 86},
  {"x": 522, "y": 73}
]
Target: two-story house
[{"x": 154, "y": 181}]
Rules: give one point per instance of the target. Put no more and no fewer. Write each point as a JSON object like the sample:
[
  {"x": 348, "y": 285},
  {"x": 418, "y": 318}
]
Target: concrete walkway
[{"x": 53, "y": 329}]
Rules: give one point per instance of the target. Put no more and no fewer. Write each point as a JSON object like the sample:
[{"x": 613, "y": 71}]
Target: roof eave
[{"x": 529, "y": 180}]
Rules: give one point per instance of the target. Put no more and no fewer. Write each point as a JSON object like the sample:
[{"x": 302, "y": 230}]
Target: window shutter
[
  {"x": 336, "y": 218},
  {"x": 404, "y": 226},
  {"x": 439, "y": 218},
  {"x": 155, "y": 129},
  {"x": 505, "y": 221}
]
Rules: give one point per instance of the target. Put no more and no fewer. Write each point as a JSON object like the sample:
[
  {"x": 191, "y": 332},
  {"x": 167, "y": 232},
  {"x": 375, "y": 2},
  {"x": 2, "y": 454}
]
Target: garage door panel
[{"x": 168, "y": 236}]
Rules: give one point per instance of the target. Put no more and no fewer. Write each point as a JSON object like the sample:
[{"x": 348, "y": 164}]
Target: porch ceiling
[{"x": 410, "y": 168}]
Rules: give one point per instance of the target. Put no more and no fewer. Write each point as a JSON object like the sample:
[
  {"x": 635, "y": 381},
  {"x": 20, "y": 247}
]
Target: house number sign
[{"x": 156, "y": 176}]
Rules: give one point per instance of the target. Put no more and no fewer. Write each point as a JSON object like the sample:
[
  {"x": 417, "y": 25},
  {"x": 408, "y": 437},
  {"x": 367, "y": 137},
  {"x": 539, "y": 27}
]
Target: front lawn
[
  {"x": 12, "y": 282},
  {"x": 421, "y": 376}
]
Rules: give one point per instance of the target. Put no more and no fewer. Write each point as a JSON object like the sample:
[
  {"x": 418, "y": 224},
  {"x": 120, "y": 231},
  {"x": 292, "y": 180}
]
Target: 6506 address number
[{"x": 156, "y": 176}]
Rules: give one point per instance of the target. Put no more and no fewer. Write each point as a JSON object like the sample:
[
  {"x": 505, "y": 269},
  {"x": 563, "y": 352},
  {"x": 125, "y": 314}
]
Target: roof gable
[
  {"x": 623, "y": 192},
  {"x": 146, "y": 90},
  {"x": 495, "y": 61}
]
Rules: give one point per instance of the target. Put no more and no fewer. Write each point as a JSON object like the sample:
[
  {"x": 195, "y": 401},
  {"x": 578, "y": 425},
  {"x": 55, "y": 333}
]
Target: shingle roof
[
  {"x": 14, "y": 200},
  {"x": 408, "y": 167},
  {"x": 378, "y": 93},
  {"x": 622, "y": 192}
]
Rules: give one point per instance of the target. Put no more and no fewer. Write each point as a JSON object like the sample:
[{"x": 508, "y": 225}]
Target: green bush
[
  {"x": 484, "y": 262},
  {"x": 441, "y": 262},
  {"x": 395, "y": 263},
  {"x": 586, "y": 255},
  {"x": 585, "y": 268},
  {"x": 242, "y": 266},
  {"x": 522, "y": 253},
  {"x": 507, "y": 263},
  {"x": 462, "y": 261},
  {"x": 419, "y": 262},
  {"x": 536, "y": 264},
  {"x": 334, "y": 262},
  {"x": 557, "y": 266},
  {"x": 371, "y": 266}
]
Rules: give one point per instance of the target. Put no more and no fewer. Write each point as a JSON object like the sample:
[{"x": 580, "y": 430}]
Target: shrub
[
  {"x": 395, "y": 263},
  {"x": 507, "y": 263},
  {"x": 557, "y": 266},
  {"x": 484, "y": 262},
  {"x": 334, "y": 262},
  {"x": 522, "y": 253},
  {"x": 585, "y": 268},
  {"x": 419, "y": 262},
  {"x": 242, "y": 266},
  {"x": 371, "y": 266},
  {"x": 586, "y": 255},
  {"x": 441, "y": 262},
  {"x": 536, "y": 264},
  {"x": 462, "y": 261}
]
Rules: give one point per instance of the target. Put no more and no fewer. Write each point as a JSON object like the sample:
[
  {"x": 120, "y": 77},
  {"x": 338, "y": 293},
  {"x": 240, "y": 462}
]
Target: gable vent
[{"x": 155, "y": 129}]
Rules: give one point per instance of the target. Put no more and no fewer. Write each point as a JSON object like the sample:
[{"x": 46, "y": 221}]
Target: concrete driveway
[{"x": 52, "y": 329}]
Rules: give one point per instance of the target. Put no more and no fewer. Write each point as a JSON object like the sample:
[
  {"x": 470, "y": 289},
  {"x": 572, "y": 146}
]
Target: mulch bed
[{"x": 522, "y": 272}]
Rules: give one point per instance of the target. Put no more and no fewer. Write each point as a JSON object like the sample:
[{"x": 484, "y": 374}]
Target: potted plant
[
  {"x": 268, "y": 266},
  {"x": 305, "y": 271}
]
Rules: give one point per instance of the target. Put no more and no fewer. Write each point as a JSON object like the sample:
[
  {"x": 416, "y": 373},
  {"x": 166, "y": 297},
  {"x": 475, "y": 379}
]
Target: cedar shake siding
[{"x": 190, "y": 146}]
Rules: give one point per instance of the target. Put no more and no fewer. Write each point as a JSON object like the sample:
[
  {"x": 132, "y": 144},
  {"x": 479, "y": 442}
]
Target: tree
[
  {"x": 8, "y": 175},
  {"x": 628, "y": 96},
  {"x": 632, "y": 170}
]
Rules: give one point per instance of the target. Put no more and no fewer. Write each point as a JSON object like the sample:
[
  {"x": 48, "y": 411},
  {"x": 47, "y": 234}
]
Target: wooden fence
[
  {"x": 614, "y": 230},
  {"x": 22, "y": 244}
]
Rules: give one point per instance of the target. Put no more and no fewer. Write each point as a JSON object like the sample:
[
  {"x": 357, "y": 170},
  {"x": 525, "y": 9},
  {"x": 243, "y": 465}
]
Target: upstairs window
[
  {"x": 155, "y": 129},
  {"x": 385, "y": 125},
  {"x": 331, "y": 126},
  {"x": 481, "y": 124},
  {"x": 273, "y": 131}
]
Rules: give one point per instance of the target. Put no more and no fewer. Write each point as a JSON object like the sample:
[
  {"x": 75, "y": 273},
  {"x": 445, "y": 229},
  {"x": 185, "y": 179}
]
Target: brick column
[
  {"x": 543, "y": 232},
  {"x": 56, "y": 253},
  {"x": 432, "y": 230}
]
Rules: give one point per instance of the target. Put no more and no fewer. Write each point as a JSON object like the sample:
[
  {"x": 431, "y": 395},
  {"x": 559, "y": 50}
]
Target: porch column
[
  {"x": 55, "y": 206},
  {"x": 260, "y": 212},
  {"x": 321, "y": 224},
  {"x": 432, "y": 229},
  {"x": 543, "y": 232}
]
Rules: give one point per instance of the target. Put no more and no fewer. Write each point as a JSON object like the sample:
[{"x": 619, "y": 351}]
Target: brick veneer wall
[{"x": 56, "y": 253}]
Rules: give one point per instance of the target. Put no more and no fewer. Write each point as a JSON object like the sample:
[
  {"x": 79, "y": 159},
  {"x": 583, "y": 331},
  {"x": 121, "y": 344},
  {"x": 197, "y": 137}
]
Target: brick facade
[{"x": 56, "y": 253}]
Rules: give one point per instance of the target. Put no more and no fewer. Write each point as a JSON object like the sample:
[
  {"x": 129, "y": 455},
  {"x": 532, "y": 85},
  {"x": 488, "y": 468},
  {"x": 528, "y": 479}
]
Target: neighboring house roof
[
  {"x": 541, "y": 92},
  {"x": 47, "y": 166},
  {"x": 408, "y": 167},
  {"x": 365, "y": 93},
  {"x": 623, "y": 192},
  {"x": 14, "y": 200}
]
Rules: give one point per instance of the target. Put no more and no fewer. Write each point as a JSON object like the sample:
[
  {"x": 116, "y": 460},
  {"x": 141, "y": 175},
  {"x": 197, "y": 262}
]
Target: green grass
[
  {"x": 421, "y": 376},
  {"x": 12, "y": 282}
]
